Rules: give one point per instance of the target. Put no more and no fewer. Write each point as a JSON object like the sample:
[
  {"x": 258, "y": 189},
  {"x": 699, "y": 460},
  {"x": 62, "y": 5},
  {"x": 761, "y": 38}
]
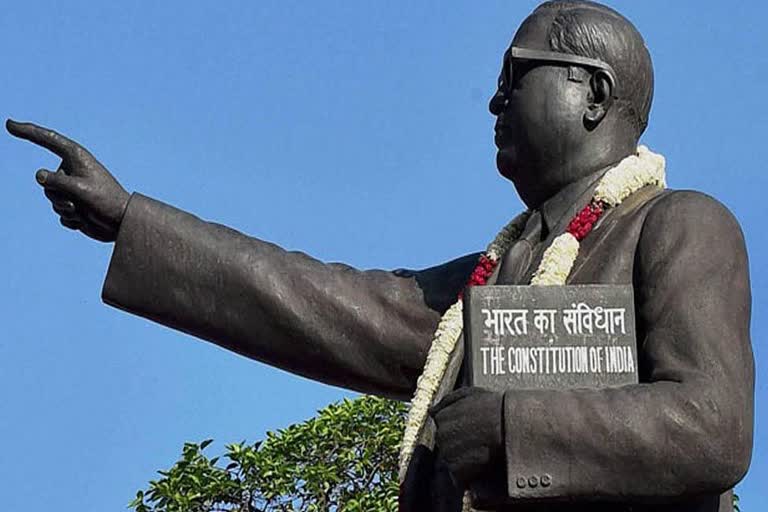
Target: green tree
[{"x": 344, "y": 459}]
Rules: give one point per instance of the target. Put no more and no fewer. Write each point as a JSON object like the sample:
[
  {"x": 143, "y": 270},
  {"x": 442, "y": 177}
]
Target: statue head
[{"x": 573, "y": 96}]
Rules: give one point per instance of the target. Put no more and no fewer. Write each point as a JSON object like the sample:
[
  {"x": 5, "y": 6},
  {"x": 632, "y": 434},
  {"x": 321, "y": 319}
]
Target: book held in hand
[{"x": 555, "y": 337}]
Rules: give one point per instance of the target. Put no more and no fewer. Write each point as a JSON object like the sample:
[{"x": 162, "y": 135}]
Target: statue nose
[{"x": 497, "y": 103}]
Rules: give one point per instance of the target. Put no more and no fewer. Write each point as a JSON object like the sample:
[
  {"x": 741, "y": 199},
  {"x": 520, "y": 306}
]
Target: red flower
[
  {"x": 481, "y": 273},
  {"x": 583, "y": 222}
]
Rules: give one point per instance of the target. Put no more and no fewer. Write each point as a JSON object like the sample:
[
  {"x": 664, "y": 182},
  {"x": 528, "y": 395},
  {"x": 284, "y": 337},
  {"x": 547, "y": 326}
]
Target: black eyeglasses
[{"x": 523, "y": 54}]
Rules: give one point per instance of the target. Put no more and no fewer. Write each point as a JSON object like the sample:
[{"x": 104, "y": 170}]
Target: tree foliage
[{"x": 344, "y": 459}]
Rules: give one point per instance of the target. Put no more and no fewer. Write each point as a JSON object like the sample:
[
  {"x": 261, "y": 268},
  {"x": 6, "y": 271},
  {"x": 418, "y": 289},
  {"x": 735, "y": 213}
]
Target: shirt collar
[{"x": 568, "y": 201}]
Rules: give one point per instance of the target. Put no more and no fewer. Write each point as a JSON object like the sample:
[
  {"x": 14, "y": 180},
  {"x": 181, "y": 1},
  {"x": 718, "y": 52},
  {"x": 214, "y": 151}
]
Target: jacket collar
[{"x": 569, "y": 200}]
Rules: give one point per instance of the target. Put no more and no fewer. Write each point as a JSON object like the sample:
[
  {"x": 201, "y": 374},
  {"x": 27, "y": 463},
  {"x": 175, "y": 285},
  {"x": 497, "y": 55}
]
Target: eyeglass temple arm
[{"x": 563, "y": 58}]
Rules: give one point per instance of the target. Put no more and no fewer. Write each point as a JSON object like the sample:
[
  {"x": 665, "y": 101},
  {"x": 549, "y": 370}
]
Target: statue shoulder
[
  {"x": 688, "y": 218},
  {"x": 689, "y": 208}
]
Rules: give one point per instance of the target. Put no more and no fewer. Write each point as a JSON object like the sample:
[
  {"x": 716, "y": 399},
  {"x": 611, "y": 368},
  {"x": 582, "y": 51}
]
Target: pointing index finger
[{"x": 44, "y": 137}]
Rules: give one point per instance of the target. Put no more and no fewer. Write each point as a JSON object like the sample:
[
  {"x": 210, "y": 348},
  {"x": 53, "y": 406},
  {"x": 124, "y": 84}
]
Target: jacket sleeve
[
  {"x": 364, "y": 330},
  {"x": 686, "y": 429}
]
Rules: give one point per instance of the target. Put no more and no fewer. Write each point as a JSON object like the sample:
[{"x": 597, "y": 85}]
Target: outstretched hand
[{"x": 82, "y": 191}]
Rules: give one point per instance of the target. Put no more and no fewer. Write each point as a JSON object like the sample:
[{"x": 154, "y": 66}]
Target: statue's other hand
[
  {"x": 82, "y": 191},
  {"x": 470, "y": 433}
]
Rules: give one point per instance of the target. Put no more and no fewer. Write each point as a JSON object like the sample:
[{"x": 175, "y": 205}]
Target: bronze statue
[{"x": 573, "y": 99}]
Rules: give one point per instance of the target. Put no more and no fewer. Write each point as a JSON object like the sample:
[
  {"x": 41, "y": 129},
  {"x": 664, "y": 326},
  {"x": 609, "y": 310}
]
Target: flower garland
[{"x": 628, "y": 176}]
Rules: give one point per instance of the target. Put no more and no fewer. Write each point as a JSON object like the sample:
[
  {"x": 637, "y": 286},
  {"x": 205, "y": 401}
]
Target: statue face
[
  {"x": 539, "y": 108},
  {"x": 538, "y": 117}
]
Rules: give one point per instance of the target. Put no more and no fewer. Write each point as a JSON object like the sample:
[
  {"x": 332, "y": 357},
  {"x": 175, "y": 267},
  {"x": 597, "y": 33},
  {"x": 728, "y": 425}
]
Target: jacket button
[
  {"x": 521, "y": 482},
  {"x": 546, "y": 480},
  {"x": 533, "y": 481}
]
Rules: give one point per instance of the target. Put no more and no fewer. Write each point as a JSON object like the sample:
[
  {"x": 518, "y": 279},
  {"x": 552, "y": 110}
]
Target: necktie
[{"x": 515, "y": 263}]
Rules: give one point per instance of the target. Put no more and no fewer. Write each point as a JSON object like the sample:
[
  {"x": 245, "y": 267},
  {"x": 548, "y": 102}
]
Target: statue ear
[{"x": 602, "y": 85}]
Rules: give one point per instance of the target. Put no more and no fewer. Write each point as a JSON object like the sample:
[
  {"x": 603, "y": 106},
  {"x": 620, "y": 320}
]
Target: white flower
[
  {"x": 557, "y": 261},
  {"x": 446, "y": 336},
  {"x": 506, "y": 236},
  {"x": 630, "y": 175},
  {"x": 466, "y": 502}
]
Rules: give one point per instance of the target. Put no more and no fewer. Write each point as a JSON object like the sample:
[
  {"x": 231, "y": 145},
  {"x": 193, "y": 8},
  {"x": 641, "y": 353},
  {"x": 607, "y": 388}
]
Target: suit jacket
[{"x": 678, "y": 441}]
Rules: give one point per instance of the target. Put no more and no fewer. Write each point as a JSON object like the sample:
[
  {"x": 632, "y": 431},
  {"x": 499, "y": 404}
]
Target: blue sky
[{"x": 354, "y": 131}]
